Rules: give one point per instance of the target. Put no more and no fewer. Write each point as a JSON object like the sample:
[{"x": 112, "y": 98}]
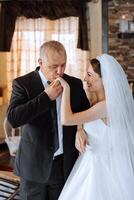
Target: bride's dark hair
[{"x": 96, "y": 66}]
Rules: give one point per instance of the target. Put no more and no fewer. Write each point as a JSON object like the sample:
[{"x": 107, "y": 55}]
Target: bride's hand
[
  {"x": 62, "y": 82},
  {"x": 81, "y": 140}
]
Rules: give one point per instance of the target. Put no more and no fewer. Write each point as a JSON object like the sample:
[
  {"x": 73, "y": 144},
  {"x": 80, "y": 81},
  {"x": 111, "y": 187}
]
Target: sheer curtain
[{"x": 28, "y": 37}]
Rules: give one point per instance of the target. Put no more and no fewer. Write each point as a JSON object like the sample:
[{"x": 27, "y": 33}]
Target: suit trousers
[{"x": 51, "y": 190}]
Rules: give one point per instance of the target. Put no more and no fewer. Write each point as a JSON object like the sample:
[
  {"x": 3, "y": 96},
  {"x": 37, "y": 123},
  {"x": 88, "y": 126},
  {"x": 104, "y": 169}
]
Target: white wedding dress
[
  {"x": 91, "y": 177},
  {"x": 105, "y": 171}
]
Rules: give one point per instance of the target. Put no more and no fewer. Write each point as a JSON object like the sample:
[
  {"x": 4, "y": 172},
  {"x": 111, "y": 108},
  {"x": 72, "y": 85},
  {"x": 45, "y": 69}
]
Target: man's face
[{"x": 53, "y": 65}]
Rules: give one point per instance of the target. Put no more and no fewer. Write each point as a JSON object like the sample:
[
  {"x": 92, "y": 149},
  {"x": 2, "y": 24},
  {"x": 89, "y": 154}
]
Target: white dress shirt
[{"x": 58, "y": 105}]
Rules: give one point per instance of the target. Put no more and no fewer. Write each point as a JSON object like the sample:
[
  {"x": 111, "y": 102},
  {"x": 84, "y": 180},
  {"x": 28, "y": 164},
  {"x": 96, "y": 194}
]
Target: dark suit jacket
[{"x": 30, "y": 107}]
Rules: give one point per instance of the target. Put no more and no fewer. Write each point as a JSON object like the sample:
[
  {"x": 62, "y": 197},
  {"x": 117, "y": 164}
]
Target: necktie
[{"x": 55, "y": 124}]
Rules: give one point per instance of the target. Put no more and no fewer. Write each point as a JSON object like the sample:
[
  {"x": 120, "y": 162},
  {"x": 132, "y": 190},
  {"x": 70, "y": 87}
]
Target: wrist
[{"x": 80, "y": 127}]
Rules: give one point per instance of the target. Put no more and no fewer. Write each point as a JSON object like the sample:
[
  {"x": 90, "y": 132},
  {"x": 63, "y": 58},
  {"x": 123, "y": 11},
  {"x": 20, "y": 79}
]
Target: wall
[
  {"x": 3, "y": 77},
  {"x": 95, "y": 28},
  {"x": 122, "y": 49},
  {"x": 3, "y": 84}
]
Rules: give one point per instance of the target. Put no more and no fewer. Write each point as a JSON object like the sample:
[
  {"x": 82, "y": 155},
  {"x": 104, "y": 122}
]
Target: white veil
[{"x": 120, "y": 129}]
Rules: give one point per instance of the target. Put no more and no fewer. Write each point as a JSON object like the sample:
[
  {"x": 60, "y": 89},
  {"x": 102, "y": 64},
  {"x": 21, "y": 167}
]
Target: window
[{"x": 31, "y": 33}]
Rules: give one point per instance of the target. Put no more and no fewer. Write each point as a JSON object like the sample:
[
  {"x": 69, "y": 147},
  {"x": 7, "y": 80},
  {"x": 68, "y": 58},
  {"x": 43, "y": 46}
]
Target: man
[{"x": 47, "y": 151}]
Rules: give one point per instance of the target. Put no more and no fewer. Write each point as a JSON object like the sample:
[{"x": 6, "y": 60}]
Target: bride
[{"x": 105, "y": 171}]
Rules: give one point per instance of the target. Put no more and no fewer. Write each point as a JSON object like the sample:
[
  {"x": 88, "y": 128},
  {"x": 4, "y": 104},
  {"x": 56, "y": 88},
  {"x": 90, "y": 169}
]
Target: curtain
[
  {"x": 51, "y": 9},
  {"x": 29, "y": 35}
]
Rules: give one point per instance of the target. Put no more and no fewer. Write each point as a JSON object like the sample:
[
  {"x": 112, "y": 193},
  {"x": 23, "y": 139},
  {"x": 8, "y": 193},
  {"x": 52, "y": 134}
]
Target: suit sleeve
[{"x": 21, "y": 109}]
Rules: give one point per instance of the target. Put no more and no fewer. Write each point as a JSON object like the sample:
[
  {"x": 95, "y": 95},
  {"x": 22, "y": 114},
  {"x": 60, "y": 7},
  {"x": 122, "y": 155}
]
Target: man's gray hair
[{"x": 51, "y": 46}]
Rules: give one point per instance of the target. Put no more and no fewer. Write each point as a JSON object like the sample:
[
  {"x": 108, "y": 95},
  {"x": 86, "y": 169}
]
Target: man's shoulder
[{"x": 28, "y": 76}]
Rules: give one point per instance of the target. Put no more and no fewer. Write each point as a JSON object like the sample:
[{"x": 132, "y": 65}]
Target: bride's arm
[{"x": 69, "y": 118}]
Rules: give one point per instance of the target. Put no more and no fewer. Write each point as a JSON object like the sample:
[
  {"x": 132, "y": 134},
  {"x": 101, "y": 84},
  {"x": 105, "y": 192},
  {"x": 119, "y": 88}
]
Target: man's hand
[
  {"x": 81, "y": 140},
  {"x": 54, "y": 90}
]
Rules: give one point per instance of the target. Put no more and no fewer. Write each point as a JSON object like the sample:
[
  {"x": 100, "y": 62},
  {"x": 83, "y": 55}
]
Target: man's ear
[{"x": 40, "y": 61}]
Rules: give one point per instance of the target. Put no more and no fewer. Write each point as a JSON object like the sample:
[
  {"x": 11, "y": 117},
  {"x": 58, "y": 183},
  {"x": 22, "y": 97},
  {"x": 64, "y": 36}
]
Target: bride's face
[{"x": 93, "y": 79}]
